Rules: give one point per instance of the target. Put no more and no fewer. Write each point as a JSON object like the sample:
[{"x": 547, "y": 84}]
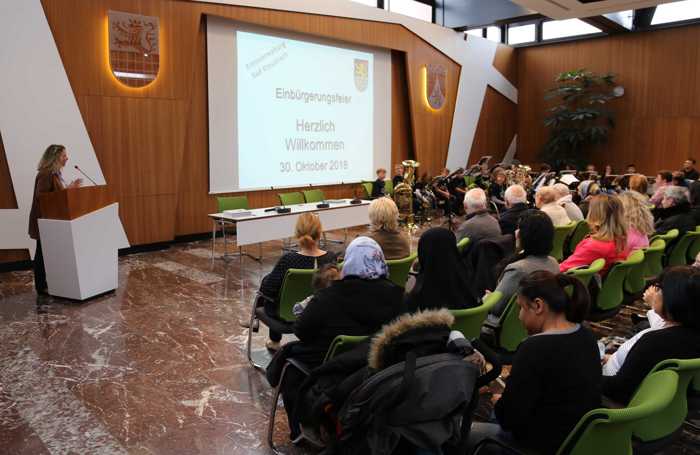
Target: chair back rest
[
  {"x": 606, "y": 431},
  {"x": 635, "y": 282},
  {"x": 694, "y": 248},
  {"x": 232, "y": 202},
  {"x": 462, "y": 245},
  {"x": 654, "y": 258},
  {"x": 672, "y": 417},
  {"x": 314, "y": 196},
  {"x": 667, "y": 236},
  {"x": 584, "y": 273},
  {"x": 560, "y": 235},
  {"x": 388, "y": 187},
  {"x": 512, "y": 330},
  {"x": 399, "y": 268},
  {"x": 295, "y": 288},
  {"x": 612, "y": 292},
  {"x": 579, "y": 233},
  {"x": 341, "y": 344},
  {"x": 679, "y": 252},
  {"x": 291, "y": 198},
  {"x": 469, "y": 320},
  {"x": 367, "y": 187}
]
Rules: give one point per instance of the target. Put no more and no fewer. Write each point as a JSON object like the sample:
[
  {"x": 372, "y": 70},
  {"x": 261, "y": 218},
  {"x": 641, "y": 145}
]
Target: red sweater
[{"x": 591, "y": 249}]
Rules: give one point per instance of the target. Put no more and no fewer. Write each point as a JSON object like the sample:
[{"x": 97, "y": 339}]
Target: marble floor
[{"x": 157, "y": 367}]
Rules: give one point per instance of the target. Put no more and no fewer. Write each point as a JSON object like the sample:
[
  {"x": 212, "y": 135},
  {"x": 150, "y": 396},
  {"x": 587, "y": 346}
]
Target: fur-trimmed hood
[{"x": 439, "y": 319}]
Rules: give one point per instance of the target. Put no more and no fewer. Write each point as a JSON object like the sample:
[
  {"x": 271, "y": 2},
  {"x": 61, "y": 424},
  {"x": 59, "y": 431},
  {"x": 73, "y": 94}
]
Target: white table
[{"x": 262, "y": 226}]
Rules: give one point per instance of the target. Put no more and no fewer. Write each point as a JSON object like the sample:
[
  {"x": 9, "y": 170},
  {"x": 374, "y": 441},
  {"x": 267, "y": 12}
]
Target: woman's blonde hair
[
  {"x": 49, "y": 160},
  {"x": 308, "y": 230},
  {"x": 384, "y": 215},
  {"x": 606, "y": 220},
  {"x": 637, "y": 212},
  {"x": 546, "y": 195},
  {"x": 639, "y": 184}
]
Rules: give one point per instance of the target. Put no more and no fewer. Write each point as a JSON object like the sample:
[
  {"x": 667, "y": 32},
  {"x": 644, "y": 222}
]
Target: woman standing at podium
[{"x": 48, "y": 179}]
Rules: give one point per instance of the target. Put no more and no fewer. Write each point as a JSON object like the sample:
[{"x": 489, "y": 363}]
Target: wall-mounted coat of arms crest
[
  {"x": 134, "y": 54},
  {"x": 361, "y": 74},
  {"x": 435, "y": 85}
]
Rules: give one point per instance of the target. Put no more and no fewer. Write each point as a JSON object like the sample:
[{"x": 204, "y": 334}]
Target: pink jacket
[
  {"x": 589, "y": 250},
  {"x": 636, "y": 240}
]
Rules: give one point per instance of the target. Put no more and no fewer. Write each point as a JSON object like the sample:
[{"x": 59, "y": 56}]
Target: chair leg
[
  {"x": 249, "y": 347},
  {"x": 273, "y": 412}
]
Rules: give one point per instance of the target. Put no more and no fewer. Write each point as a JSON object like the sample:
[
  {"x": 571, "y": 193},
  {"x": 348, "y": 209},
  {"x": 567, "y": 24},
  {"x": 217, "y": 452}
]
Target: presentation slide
[
  {"x": 304, "y": 112},
  {"x": 287, "y": 110}
]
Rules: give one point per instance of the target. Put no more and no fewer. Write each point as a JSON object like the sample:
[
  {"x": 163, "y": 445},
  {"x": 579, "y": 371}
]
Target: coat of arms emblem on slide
[
  {"x": 435, "y": 85},
  {"x": 134, "y": 54},
  {"x": 361, "y": 74}
]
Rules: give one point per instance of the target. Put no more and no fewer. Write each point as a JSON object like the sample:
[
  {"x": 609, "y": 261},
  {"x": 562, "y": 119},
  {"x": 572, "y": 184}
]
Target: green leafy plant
[{"x": 580, "y": 118}]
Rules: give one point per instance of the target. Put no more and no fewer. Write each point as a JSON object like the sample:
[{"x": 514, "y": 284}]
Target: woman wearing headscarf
[
  {"x": 442, "y": 281},
  {"x": 359, "y": 303}
]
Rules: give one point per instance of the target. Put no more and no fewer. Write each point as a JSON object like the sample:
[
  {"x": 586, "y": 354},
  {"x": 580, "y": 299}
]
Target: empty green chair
[
  {"x": 232, "y": 203},
  {"x": 469, "y": 320},
  {"x": 462, "y": 245},
  {"x": 584, "y": 273},
  {"x": 654, "y": 258},
  {"x": 611, "y": 293},
  {"x": 609, "y": 431},
  {"x": 561, "y": 233},
  {"x": 679, "y": 252},
  {"x": 635, "y": 282},
  {"x": 291, "y": 198},
  {"x": 314, "y": 196},
  {"x": 296, "y": 286},
  {"x": 667, "y": 422},
  {"x": 579, "y": 233},
  {"x": 399, "y": 269}
]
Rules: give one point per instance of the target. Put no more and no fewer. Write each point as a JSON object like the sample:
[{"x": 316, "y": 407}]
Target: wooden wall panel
[
  {"x": 658, "y": 118},
  {"x": 496, "y": 127},
  {"x": 152, "y": 143},
  {"x": 8, "y": 201}
]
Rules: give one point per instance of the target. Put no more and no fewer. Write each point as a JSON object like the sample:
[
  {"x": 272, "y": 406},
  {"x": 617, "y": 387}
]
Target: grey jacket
[
  {"x": 479, "y": 226},
  {"x": 510, "y": 278}
]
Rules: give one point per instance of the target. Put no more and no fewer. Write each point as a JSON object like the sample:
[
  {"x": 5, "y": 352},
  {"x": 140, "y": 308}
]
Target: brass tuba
[{"x": 403, "y": 193}]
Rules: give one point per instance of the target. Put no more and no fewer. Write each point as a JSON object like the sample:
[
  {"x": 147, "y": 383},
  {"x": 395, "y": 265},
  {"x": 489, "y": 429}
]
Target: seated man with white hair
[
  {"x": 546, "y": 200},
  {"x": 564, "y": 199},
  {"x": 479, "y": 224},
  {"x": 516, "y": 205}
]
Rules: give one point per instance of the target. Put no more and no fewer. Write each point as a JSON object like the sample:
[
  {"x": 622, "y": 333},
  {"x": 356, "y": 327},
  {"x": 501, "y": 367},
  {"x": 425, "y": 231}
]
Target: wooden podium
[{"x": 80, "y": 235}]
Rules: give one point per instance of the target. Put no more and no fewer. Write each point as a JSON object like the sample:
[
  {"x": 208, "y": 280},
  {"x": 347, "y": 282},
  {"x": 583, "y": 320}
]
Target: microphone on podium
[{"x": 86, "y": 176}]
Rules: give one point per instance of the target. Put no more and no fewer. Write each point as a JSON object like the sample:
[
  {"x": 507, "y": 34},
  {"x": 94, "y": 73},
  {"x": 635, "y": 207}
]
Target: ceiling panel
[{"x": 567, "y": 9}]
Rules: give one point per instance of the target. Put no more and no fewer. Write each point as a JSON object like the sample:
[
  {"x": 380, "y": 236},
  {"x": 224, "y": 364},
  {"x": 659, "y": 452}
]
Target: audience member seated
[
  {"x": 689, "y": 171},
  {"x": 533, "y": 241},
  {"x": 663, "y": 179},
  {"x": 322, "y": 279},
  {"x": 608, "y": 239},
  {"x": 639, "y": 184},
  {"x": 516, "y": 204},
  {"x": 640, "y": 221},
  {"x": 564, "y": 198},
  {"x": 678, "y": 179},
  {"x": 555, "y": 378},
  {"x": 384, "y": 229},
  {"x": 358, "y": 304},
  {"x": 546, "y": 200},
  {"x": 308, "y": 232},
  {"x": 675, "y": 211},
  {"x": 378, "y": 185},
  {"x": 479, "y": 224},
  {"x": 656, "y": 321},
  {"x": 442, "y": 280},
  {"x": 586, "y": 191},
  {"x": 676, "y": 300}
]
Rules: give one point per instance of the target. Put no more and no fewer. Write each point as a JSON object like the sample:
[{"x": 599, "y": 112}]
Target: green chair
[
  {"x": 679, "y": 252},
  {"x": 462, "y": 245},
  {"x": 469, "y": 320},
  {"x": 399, "y": 269},
  {"x": 340, "y": 344},
  {"x": 561, "y": 233},
  {"x": 635, "y": 282},
  {"x": 512, "y": 332},
  {"x": 610, "y": 431},
  {"x": 667, "y": 237},
  {"x": 388, "y": 187},
  {"x": 611, "y": 294},
  {"x": 314, "y": 196},
  {"x": 654, "y": 258},
  {"x": 367, "y": 187},
  {"x": 694, "y": 248},
  {"x": 232, "y": 203},
  {"x": 666, "y": 423},
  {"x": 296, "y": 286},
  {"x": 584, "y": 273},
  {"x": 579, "y": 233},
  {"x": 291, "y": 198}
]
